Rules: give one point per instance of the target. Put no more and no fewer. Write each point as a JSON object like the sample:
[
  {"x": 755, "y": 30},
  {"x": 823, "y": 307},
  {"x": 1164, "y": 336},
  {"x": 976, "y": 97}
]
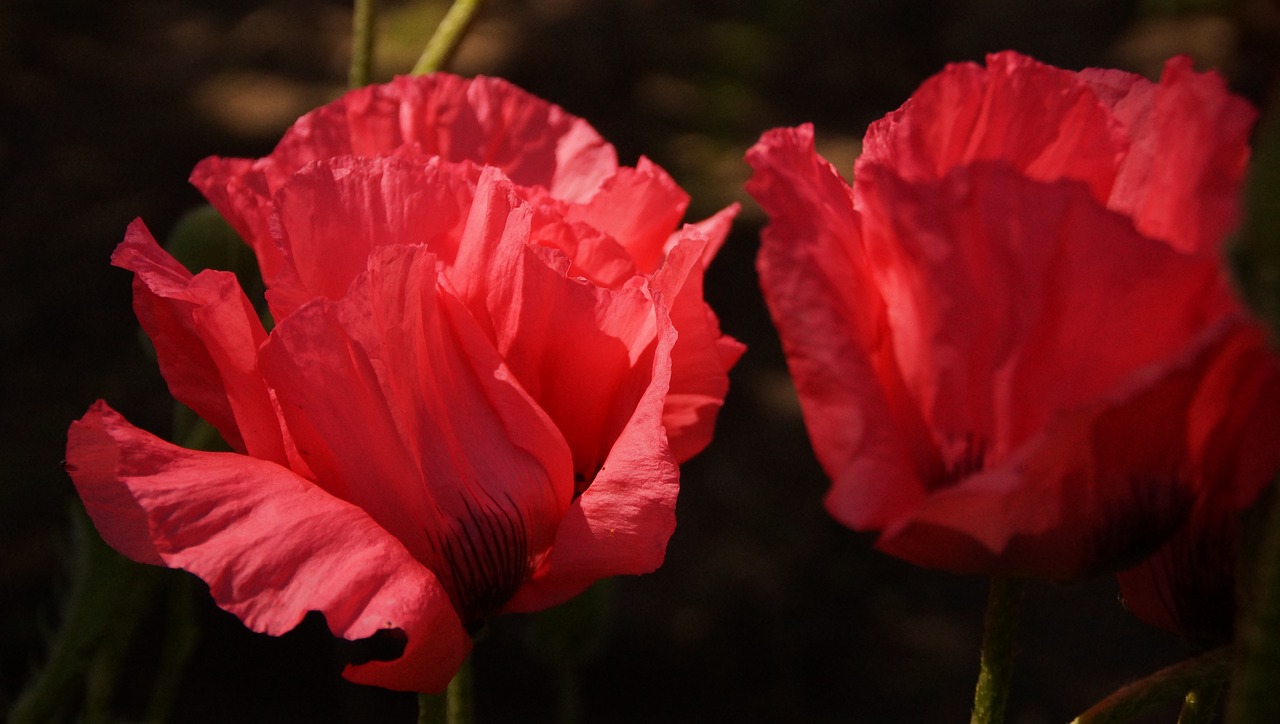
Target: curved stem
[
  {"x": 454, "y": 706},
  {"x": 444, "y": 42},
  {"x": 362, "y": 26},
  {"x": 1204, "y": 673},
  {"x": 1003, "y": 605}
]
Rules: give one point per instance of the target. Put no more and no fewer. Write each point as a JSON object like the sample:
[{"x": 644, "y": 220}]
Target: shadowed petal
[
  {"x": 1189, "y": 584},
  {"x": 998, "y": 286},
  {"x": 1098, "y": 487}
]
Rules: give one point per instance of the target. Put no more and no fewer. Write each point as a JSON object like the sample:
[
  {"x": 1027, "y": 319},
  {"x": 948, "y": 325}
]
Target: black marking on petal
[
  {"x": 952, "y": 468},
  {"x": 384, "y": 645},
  {"x": 1194, "y": 579},
  {"x": 483, "y": 556},
  {"x": 1154, "y": 508}
]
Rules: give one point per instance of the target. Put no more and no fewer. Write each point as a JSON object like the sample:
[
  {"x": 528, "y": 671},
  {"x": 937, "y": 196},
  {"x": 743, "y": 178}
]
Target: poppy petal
[
  {"x": 206, "y": 335},
  {"x": 621, "y": 523},
  {"x": 271, "y": 545},
  {"x": 817, "y": 280}
]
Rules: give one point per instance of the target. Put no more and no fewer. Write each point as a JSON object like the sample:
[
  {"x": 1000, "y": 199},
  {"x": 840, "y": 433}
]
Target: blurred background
[{"x": 765, "y": 610}]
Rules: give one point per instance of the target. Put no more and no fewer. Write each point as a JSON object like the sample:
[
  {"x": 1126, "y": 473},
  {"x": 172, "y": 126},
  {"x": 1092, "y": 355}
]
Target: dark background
[{"x": 766, "y": 610}]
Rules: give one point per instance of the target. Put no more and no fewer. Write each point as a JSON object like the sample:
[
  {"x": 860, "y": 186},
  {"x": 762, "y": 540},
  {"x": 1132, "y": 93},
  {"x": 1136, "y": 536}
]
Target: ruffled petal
[
  {"x": 998, "y": 285},
  {"x": 831, "y": 318},
  {"x": 483, "y": 120},
  {"x": 715, "y": 229},
  {"x": 423, "y": 426},
  {"x": 968, "y": 113},
  {"x": 270, "y": 544},
  {"x": 206, "y": 335},
  {"x": 1188, "y": 586},
  {"x": 241, "y": 192},
  {"x": 1099, "y": 486},
  {"x": 621, "y": 523},
  {"x": 491, "y": 122},
  {"x": 702, "y": 356},
  {"x": 640, "y": 207},
  {"x": 1188, "y": 144},
  {"x": 573, "y": 345},
  {"x": 367, "y": 203}
]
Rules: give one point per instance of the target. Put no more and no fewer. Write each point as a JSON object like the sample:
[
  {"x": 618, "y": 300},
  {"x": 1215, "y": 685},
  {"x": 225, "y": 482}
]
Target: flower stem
[
  {"x": 362, "y": 25},
  {"x": 454, "y": 705},
  {"x": 444, "y": 42},
  {"x": 1003, "y": 605},
  {"x": 1201, "y": 704},
  {"x": 109, "y": 594},
  {"x": 1253, "y": 690},
  {"x": 1202, "y": 676}
]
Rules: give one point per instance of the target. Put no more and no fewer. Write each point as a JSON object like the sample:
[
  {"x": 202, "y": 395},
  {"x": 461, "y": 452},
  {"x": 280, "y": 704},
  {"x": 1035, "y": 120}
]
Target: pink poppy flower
[
  {"x": 1002, "y": 334},
  {"x": 468, "y": 404}
]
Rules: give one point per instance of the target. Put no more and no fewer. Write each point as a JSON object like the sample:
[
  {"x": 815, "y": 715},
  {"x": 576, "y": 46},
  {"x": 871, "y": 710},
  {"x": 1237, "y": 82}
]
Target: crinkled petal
[
  {"x": 997, "y": 285},
  {"x": 621, "y": 523},
  {"x": 573, "y": 345},
  {"x": 270, "y": 544},
  {"x": 206, "y": 335},
  {"x": 1188, "y": 144},
  {"x": 715, "y": 229},
  {"x": 400, "y": 363},
  {"x": 702, "y": 356},
  {"x": 483, "y": 120},
  {"x": 640, "y": 207},
  {"x": 241, "y": 192},
  {"x": 1045, "y": 122},
  {"x": 831, "y": 319},
  {"x": 367, "y": 203},
  {"x": 1100, "y": 486},
  {"x": 1188, "y": 586}
]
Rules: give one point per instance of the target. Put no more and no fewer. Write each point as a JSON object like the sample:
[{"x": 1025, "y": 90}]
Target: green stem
[
  {"x": 362, "y": 25},
  {"x": 1200, "y": 705},
  {"x": 433, "y": 708},
  {"x": 454, "y": 706},
  {"x": 1003, "y": 604},
  {"x": 1254, "y": 699},
  {"x": 181, "y": 634},
  {"x": 444, "y": 42},
  {"x": 107, "y": 591},
  {"x": 1204, "y": 673},
  {"x": 568, "y": 694}
]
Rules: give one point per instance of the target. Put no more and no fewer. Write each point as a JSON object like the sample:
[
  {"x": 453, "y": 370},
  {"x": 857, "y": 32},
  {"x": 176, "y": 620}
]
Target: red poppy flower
[
  {"x": 468, "y": 403},
  {"x": 1000, "y": 332}
]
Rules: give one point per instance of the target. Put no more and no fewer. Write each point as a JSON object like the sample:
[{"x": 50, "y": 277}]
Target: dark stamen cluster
[{"x": 483, "y": 557}]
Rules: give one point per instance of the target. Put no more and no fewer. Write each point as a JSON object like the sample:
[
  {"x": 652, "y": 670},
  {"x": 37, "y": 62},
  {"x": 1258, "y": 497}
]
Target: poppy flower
[
  {"x": 467, "y": 405},
  {"x": 1002, "y": 333}
]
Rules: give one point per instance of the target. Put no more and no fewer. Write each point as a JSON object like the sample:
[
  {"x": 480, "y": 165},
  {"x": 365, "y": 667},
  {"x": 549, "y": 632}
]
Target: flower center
[
  {"x": 482, "y": 557},
  {"x": 959, "y": 458}
]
